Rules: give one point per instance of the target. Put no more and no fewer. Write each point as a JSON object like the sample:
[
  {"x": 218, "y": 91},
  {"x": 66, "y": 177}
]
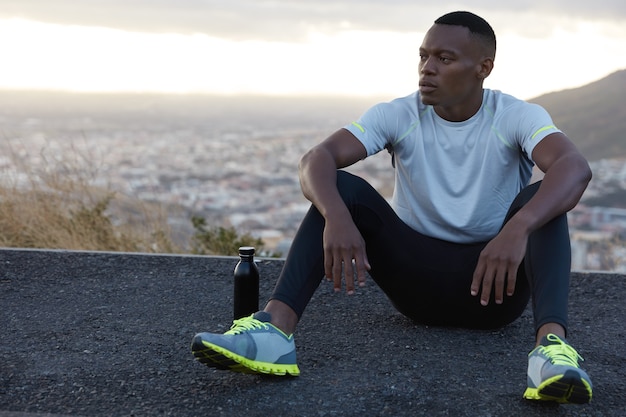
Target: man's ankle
[
  {"x": 283, "y": 316},
  {"x": 548, "y": 328}
]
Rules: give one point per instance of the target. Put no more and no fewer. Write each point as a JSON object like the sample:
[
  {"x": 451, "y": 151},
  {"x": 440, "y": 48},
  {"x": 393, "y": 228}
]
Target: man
[{"x": 465, "y": 242}]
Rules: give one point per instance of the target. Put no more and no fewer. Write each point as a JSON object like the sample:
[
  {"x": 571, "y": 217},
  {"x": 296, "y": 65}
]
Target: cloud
[{"x": 289, "y": 20}]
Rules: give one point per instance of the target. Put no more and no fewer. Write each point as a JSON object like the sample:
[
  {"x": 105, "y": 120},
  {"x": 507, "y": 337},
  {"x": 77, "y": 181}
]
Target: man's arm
[
  {"x": 318, "y": 178},
  {"x": 567, "y": 174}
]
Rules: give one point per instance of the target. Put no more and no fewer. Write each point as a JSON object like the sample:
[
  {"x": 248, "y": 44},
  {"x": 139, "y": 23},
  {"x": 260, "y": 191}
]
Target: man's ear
[{"x": 486, "y": 66}]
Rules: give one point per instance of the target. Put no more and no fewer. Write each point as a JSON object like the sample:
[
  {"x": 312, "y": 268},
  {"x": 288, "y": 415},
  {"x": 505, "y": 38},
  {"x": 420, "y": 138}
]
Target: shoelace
[
  {"x": 244, "y": 324},
  {"x": 561, "y": 353}
]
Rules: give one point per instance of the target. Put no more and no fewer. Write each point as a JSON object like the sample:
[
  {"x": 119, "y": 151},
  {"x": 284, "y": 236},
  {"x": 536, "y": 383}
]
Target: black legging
[{"x": 428, "y": 279}]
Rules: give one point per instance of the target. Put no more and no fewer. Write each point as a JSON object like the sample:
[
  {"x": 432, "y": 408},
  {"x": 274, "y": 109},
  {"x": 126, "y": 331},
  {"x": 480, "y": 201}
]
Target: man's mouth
[{"x": 426, "y": 87}]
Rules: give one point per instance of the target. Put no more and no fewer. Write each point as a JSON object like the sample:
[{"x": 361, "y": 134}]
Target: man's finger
[
  {"x": 479, "y": 272},
  {"x": 328, "y": 264},
  {"x": 337, "y": 273},
  {"x": 511, "y": 279},
  {"x": 487, "y": 283},
  {"x": 362, "y": 266},
  {"x": 499, "y": 286},
  {"x": 349, "y": 276}
]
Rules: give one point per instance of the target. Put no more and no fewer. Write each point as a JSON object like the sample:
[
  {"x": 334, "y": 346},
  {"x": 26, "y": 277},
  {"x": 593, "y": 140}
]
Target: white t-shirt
[{"x": 456, "y": 180}]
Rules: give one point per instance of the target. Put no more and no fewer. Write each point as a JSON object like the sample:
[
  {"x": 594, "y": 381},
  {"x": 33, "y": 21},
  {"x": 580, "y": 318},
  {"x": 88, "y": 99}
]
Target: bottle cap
[{"x": 246, "y": 251}]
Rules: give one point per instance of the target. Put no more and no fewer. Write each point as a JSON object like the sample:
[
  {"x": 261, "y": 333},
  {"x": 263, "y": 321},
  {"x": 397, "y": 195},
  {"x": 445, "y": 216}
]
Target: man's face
[{"x": 450, "y": 66}]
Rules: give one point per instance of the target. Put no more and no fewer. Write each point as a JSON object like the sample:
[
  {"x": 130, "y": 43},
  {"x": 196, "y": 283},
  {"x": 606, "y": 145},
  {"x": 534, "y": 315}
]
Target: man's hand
[
  {"x": 498, "y": 263},
  {"x": 344, "y": 244},
  {"x": 567, "y": 174}
]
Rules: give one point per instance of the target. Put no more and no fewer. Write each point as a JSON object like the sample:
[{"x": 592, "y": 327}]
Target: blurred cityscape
[{"x": 234, "y": 161}]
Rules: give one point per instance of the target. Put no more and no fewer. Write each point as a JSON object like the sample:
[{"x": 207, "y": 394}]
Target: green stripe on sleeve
[
  {"x": 543, "y": 129},
  {"x": 359, "y": 127}
]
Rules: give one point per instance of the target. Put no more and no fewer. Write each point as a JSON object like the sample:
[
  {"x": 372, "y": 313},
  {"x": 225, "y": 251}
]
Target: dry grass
[{"x": 55, "y": 205}]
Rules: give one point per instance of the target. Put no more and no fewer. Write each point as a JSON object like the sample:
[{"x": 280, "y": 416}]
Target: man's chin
[{"x": 427, "y": 100}]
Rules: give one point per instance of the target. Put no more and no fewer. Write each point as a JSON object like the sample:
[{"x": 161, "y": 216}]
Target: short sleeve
[
  {"x": 374, "y": 128},
  {"x": 534, "y": 124}
]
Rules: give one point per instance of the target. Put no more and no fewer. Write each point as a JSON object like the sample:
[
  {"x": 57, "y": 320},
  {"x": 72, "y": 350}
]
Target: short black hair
[{"x": 476, "y": 25}]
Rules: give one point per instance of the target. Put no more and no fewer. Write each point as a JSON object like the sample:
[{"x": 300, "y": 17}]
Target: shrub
[
  {"x": 56, "y": 206},
  {"x": 220, "y": 240}
]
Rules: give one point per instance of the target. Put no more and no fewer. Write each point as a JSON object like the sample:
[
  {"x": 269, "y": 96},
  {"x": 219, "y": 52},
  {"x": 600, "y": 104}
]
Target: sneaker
[
  {"x": 554, "y": 374},
  {"x": 252, "y": 345}
]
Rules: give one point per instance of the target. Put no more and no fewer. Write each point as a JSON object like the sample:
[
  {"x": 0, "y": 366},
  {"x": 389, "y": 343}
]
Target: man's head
[
  {"x": 478, "y": 27},
  {"x": 456, "y": 56}
]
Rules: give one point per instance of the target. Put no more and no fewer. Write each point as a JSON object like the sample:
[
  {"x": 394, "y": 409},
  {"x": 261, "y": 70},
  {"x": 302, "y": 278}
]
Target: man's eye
[{"x": 445, "y": 59}]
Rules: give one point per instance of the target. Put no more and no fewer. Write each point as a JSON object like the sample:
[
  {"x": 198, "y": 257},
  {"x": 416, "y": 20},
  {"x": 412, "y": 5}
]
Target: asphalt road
[{"x": 104, "y": 334}]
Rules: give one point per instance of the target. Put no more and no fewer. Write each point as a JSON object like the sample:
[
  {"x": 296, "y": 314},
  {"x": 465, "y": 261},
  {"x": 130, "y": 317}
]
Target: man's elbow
[
  {"x": 585, "y": 171},
  {"x": 306, "y": 159}
]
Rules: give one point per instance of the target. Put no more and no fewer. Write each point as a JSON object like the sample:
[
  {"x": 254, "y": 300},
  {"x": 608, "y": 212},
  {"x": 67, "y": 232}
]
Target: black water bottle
[{"x": 246, "y": 295}]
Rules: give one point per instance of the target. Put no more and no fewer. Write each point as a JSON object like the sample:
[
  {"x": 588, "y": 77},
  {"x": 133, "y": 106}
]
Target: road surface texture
[{"x": 108, "y": 334}]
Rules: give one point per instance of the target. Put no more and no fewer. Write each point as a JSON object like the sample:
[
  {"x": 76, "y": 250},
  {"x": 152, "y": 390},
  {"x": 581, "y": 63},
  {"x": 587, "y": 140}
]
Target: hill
[{"x": 593, "y": 116}]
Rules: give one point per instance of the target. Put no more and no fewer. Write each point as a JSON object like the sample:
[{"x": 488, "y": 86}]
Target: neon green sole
[
  {"x": 555, "y": 389},
  {"x": 532, "y": 394},
  {"x": 225, "y": 359}
]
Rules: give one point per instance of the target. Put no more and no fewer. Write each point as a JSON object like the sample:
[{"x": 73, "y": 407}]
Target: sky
[{"x": 294, "y": 47}]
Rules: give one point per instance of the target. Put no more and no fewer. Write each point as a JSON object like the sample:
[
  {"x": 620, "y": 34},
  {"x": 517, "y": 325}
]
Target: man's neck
[{"x": 461, "y": 111}]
